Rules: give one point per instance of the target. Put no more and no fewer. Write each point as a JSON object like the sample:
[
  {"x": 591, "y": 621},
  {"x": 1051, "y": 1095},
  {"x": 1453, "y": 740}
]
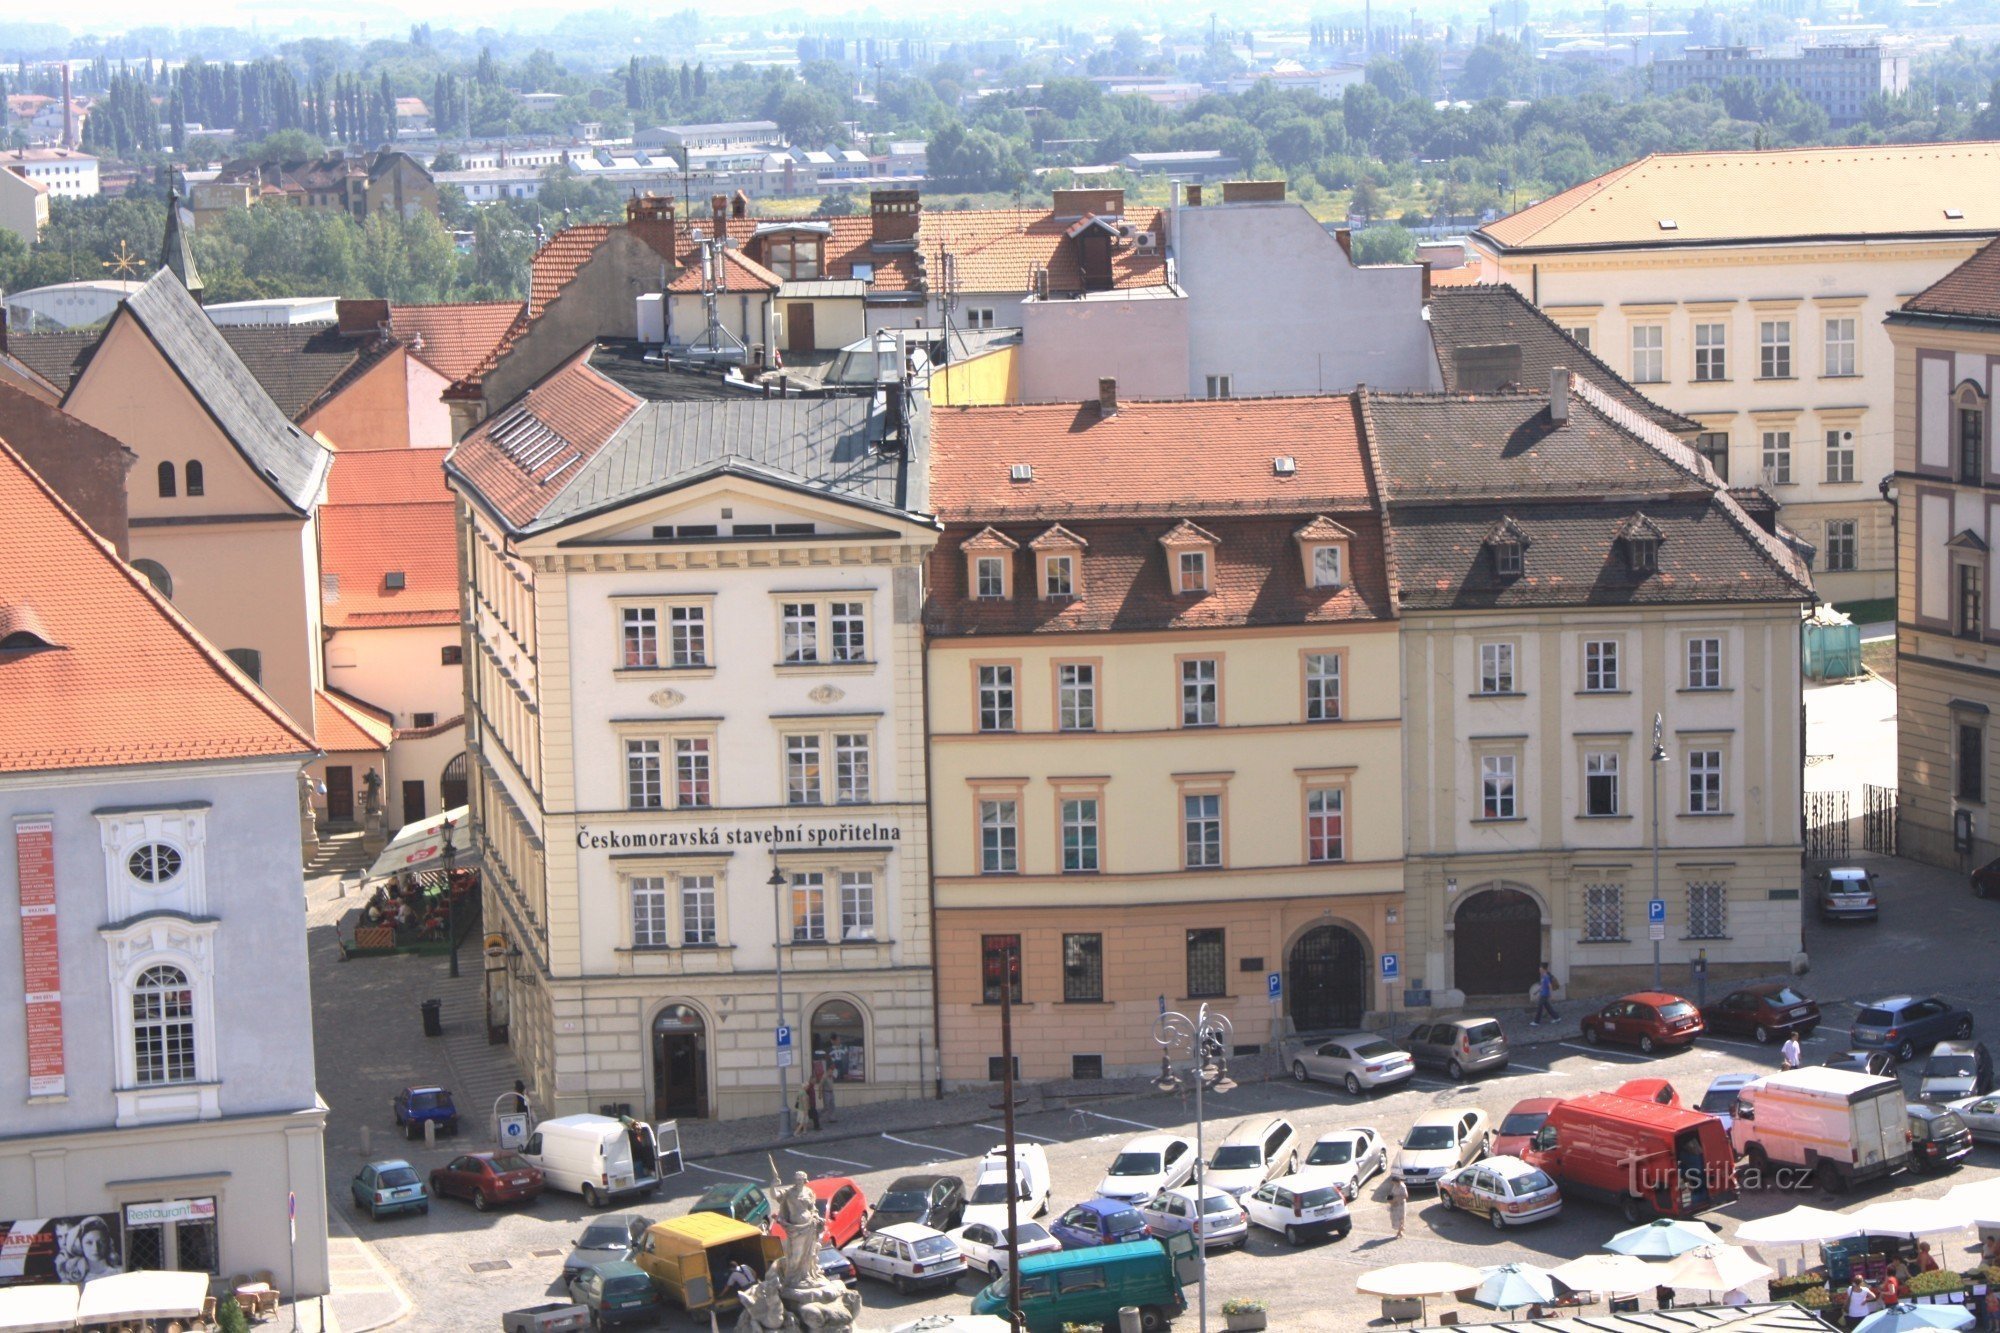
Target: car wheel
[
  {"x": 1963, "y": 1030},
  {"x": 1152, "y": 1319},
  {"x": 1646, "y": 1043},
  {"x": 1294, "y": 1237},
  {"x": 1906, "y": 1052},
  {"x": 590, "y": 1197},
  {"x": 1590, "y": 1035},
  {"x": 1299, "y": 1071},
  {"x": 1831, "y": 1179},
  {"x": 1444, "y": 1197},
  {"x": 1634, "y": 1208},
  {"x": 1454, "y": 1071},
  {"x": 1353, "y": 1086},
  {"x": 993, "y": 1272},
  {"x": 1499, "y": 1222},
  {"x": 1763, "y": 1035},
  {"x": 902, "y": 1285},
  {"x": 374, "y": 1213},
  {"x": 1759, "y": 1162},
  {"x": 409, "y": 1130},
  {"x": 479, "y": 1200}
]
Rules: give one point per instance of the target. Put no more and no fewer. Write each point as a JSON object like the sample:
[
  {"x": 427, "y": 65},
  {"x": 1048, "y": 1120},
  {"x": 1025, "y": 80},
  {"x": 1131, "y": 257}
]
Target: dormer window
[
  {"x": 1190, "y": 558},
  {"x": 795, "y": 258},
  {"x": 1323, "y": 547},
  {"x": 1191, "y": 573},
  {"x": 989, "y": 565},
  {"x": 991, "y": 577},
  {"x": 1059, "y": 577},
  {"x": 1509, "y": 547},
  {"x": 1640, "y": 537},
  {"x": 1058, "y": 564},
  {"x": 1506, "y": 559}
]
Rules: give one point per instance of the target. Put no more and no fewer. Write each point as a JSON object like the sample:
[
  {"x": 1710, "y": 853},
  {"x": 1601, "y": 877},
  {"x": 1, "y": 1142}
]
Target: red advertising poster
[{"x": 35, "y": 861}]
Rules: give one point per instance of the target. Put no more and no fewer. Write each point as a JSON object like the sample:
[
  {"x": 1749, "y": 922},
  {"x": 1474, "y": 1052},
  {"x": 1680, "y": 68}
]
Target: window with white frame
[
  {"x": 1600, "y": 666},
  {"x": 687, "y": 635},
  {"x": 996, "y": 698},
  {"x": 697, "y": 911},
  {"x": 644, "y": 789},
  {"x": 852, "y": 768},
  {"x": 1326, "y": 566},
  {"x": 649, "y": 913},
  {"x": 990, "y": 574},
  {"x": 1778, "y": 457},
  {"x": 802, "y": 771},
  {"x": 1600, "y": 782},
  {"x": 1704, "y": 663},
  {"x": 801, "y": 632},
  {"x": 1201, "y": 829},
  {"x": 1774, "y": 349},
  {"x": 1076, "y": 696},
  {"x": 857, "y": 904},
  {"x": 1578, "y": 334},
  {"x": 1322, "y": 687},
  {"x": 1496, "y": 786},
  {"x": 848, "y": 622},
  {"x": 1649, "y": 353},
  {"x": 1840, "y": 344},
  {"x": 808, "y": 907},
  {"x": 999, "y": 837},
  {"x": 163, "y": 1026},
  {"x": 1496, "y": 668},
  {"x": 1704, "y": 778},
  {"x": 1603, "y": 912},
  {"x": 1059, "y": 577},
  {"x": 1326, "y": 824},
  {"x": 641, "y": 638},
  {"x": 1708, "y": 910},
  {"x": 693, "y": 785},
  {"x": 1079, "y": 835},
  {"x": 1200, "y": 705},
  {"x": 1711, "y": 351},
  {"x": 1219, "y": 386},
  {"x": 1191, "y": 568},
  {"x": 1840, "y": 454}
]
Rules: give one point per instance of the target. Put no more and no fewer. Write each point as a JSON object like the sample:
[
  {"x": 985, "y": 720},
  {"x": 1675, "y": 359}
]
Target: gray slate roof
[
  {"x": 58, "y": 356},
  {"x": 291, "y": 462}
]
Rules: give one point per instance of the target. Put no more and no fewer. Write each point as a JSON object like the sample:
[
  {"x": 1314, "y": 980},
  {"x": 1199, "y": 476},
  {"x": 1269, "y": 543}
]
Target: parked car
[
  {"x": 1147, "y": 1165},
  {"x": 616, "y": 1292},
  {"x": 1506, "y": 1191},
  {"x": 988, "y": 1200},
  {"x": 1439, "y": 1141},
  {"x": 412, "y": 1107},
  {"x": 1938, "y": 1138},
  {"x": 1766, "y": 1013},
  {"x": 487, "y": 1179},
  {"x": 842, "y": 1207},
  {"x": 1254, "y": 1151},
  {"x": 1879, "y": 1063},
  {"x": 1090, "y": 1287},
  {"x": 1720, "y": 1099},
  {"x": 1099, "y": 1222},
  {"x": 985, "y": 1246},
  {"x": 546, "y": 1317},
  {"x": 742, "y": 1200},
  {"x": 1847, "y": 893},
  {"x": 1647, "y": 1019},
  {"x": 1981, "y": 1115},
  {"x": 1904, "y": 1025},
  {"x": 596, "y": 1156},
  {"x": 605, "y": 1238},
  {"x": 390, "y": 1186},
  {"x": 930, "y": 1199},
  {"x": 685, "y": 1257},
  {"x": 907, "y": 1256},
  {"x": 1460, "y": 1046},
  {"x": 1219, "y": 1221},
  {"x": 1956, "y": 1069},
  {"x": 1841, "y": 1126},
  {"x": 1518, "y": 1126},
  {"x": 1986, "y": 880},
  {"x": 1358, "y": 1061},
  {"x": 835, "y": 1264},
  {"x": 1647, "y": 1159},
  {"x": 1348, "y": 1157},
  {"x": 1299, "y": 1208}
]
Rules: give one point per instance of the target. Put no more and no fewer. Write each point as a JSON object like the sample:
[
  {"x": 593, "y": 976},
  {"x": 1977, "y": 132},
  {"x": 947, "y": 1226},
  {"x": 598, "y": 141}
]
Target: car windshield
[
  {"x": 429, "y": 1101},
  {"x": 1218, "y": 1203},
  {"x": 932, "y": 1245},
  {"x": 1874, "y": 1018},
  {"x": 1949, "y": 1066},
  {"x": 632, "y": 1284},
  {"x": 507, "y": 1161},
  {"x": 1337, "y": 1153},
  {"x": 1678, "y": 1009},
  {"x": 1718, "y": 1101},
  {"x": 1319, "y": 1198},
  {"x": 1028, "y": 1233},
  {"x": 903, "y": 1201},
  {"x": 1122, "y": 1221},
  {"x": 396, "y": 1176},
  {"x": 1136, "y": 1164},
  {"x": 1849, "y": 884},
  {"x": 989, "y": 1191},
  {"x": 1428, "y": 1136},
  {"x": 1785, "y": 995},
  {"x": 1523, "y": 1123},
  {"x": 831, "y": 1257},
  {"x": 1534, "y": 1182},
  {"x": 1374, "y": 1050},
  {"x": 605, "y": 1236},
  {"x": 1237, "y": 1157},
  {"x": 1482, "y": 1032}
]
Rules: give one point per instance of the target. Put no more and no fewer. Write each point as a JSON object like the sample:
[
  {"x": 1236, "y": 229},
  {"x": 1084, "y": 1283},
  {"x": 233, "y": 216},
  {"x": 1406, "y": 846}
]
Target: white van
[
  {"x": 596, "y": 1156},
  {"x": 988, "y": 1201}
]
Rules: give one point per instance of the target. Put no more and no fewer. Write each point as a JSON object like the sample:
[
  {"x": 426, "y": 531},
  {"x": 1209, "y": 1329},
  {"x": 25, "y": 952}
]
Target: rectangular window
[
  {"x": 849, "y": 624},
  {"x": 642, "y": 776},
  {"x": 1600, "y": 665},
  {"x": 1199, "y": 703},
  {"x": 1840, "y": 346},
  {"x": 163, "y": 1028},
  {"x": 802, "y": 773},
  {"x": 697, "y": 911},
  {"x": 1079, "y": 835},
  {"x": 642, "y": 638},
  {"x": 1778, "y": 457},
  {"x": 1971, "y": 784},
  {"x": 1192, "y": 568},
  {"x": 1704, "y": 664},
  {"x": 1496, "y": 668},
  {"x": 979, "y": 317},
  {"x": 687, "y": 635},
  {"x": 1971, "y": 602},
  {"x": 999, "y": 838},
  {"x": 996, "y": 698},
  {"x": 452, "y": 654},
  {"x": 1971, "y": 444},
  {"x": 857, "y": 904},
  {"x": 1322, "y": 687},
  {"x": 1840, "y": 455},
  {"x": 996, "y": 1065},
  {"x": 1711, "y": 351},
  {"x": 801, "y": 632},
  {"x": 1604, "y": 912},
  {"x": 1076, "y": 696},
  {"x": 1708, "y": 911},
  {"x": 808, "y": 907},
  {"x": 1326, "y": 566},
  {"x": 1704, "y": 772},
  {"x": 1218, "y": 386},
  {"x": 1774, "y": 349},
  {"x": 692, "y": 778},
  {"x": 851, "y": 768},
  {"x": 1579, "y": 334},
  {"x": 990, "y": 572},
  {"x": 649, "y": 913},
  {"x": 1496, "y": 786},
  {"x": 1000, "y": 965},
  {"x": 1649, "y": 353},
  {"x": 1207, "y": 974},
  {"x": 1201, "y": 829},
  {"x": 1326, "y": 824},
  {"x": 1600, "y": 783},
  {"x": 1059, "y": 578},
  {"x": 1841, "y": 541},
  {"x": 1083, "y": 969},
  {"x": 1714, "y": 446}
]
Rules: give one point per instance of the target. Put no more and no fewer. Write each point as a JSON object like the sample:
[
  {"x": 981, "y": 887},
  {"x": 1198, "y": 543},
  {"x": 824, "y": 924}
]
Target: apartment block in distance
[{"x": 1839, "y": 80}]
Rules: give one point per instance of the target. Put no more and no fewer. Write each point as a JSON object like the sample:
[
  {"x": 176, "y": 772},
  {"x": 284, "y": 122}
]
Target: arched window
[
  {"x": 163, "y": 1026},
  {"x": 166, "y": 481},
  {"x": 1971, "y": 434},
  {"x": 840, "y": 1042},
  {"x": 194, "y": 478},
  {"x": 156, "y": 574},
  {"x": 248, "y": 660}
]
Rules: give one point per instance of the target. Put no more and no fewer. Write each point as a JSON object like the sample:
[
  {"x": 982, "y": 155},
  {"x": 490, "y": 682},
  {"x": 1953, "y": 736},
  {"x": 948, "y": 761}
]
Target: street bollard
[
  {"x": 1130, "y": 1320},
  {"x": 430, "y": 1133}
]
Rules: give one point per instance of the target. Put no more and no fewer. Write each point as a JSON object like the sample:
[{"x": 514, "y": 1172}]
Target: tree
[
  {"x": 809, "y": 116},
  {"x": 838, "y": 204},
  {"x": 447, "y": 161},
  {"x": 1385, "y": 244}
]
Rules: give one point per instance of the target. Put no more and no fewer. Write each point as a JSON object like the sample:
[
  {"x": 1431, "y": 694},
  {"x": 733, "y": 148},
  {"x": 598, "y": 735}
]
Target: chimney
[
  {"x": 1107, "y": 397},
  {"x": 1345, "y": 240},
  {"x": 1559, "y": 394},
  {"x": 1425, "y": 264},
  {"x": 356, "y": 316},
  {"x": 1192, "y": 193},
  {"x": 69, "y": 135},
  {"x": 895, "y": 215},
  {"x": 651, "y": 219},
  {"x": 739, "y": 207}
]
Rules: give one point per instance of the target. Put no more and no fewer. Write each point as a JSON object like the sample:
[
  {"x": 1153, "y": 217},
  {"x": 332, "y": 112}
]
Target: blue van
[{"x": 1089, "y": 1286}]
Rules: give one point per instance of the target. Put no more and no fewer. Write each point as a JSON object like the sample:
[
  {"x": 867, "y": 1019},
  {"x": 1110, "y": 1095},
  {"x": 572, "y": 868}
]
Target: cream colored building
[
  {"x": 24, "y": 204},
  {"x": 1165, "y": 727},
  {"x": 1747, "y": 290},
  {"x": 1568, "y": 573},
  {"x": 695, "y": 665}
]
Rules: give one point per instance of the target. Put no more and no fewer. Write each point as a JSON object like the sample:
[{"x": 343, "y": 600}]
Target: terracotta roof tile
[
  {"x": 574, "y": 402},
  {"x": 556, "y": 263},
  {"x": 58, "y": 357},
  {"x": 999, "y": 249},
  {"x": 991, "y": 539},
  {"x": 1057, "y": 538},
  {"x": 388, "y": 476},
  {"x": 388, "y": 511},
  {"x": 74, "y": 705},
  {"x": 746, "y": 275},
  {"x": 1970, "y": 291},
  {"x": 456, "y": 337},
  {"x": 1322, "y": 529},
  {"x": 344, "y": 728}
]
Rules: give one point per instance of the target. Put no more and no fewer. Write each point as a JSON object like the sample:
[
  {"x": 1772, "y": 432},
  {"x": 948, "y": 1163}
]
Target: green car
[
  {"x": 616, "y": 1293},
  {"x": 1089, "y": 1286},
  {"x": 746, "y": 1203}
]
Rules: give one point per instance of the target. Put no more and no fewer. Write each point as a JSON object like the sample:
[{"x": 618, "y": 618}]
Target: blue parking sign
[
  {"x": 784, "y": 1037},
  {"x": 1274, "y": 986},
  {"x": 1656, "y": 910},
  {"x": 1392, "y": 967}
]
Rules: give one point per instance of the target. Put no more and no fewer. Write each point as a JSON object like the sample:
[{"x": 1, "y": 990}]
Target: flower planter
[{"x": 1249, "y": 1320}]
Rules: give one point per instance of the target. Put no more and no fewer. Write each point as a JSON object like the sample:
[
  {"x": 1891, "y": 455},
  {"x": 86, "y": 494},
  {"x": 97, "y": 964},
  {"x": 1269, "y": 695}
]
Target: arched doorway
[
  {"x": 840, "y": 1042},
  {"x": 680, "y": 1063},
  {"x": 1498, "y": 945},
  {"x": 1328, "y": 979},
  {"x": 451, "y": 787}
]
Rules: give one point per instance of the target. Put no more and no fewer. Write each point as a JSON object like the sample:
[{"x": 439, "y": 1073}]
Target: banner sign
[
  {"x": 35, "y": 866},
  {"x": 169, "y": 1210},
  {"x": 59, "y": 1249}
]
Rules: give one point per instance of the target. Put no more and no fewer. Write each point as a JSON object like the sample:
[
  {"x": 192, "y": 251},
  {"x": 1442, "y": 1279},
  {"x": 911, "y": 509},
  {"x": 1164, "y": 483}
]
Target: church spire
[{"x": 178, "y": 253}]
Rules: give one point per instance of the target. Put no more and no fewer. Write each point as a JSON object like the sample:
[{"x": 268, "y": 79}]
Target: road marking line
[
  {"x": 1119, "y": 1120},
  {"x": 1019, "y": 1133},
  {"x": 822, "y": 1157},
  {"x": 945, "y": 1153},
  {"x": 1532, "y": 1069},
  {"x": 1728, "y": 1041},
  {"x": 718, "y": 1171},
  {"x": 1431, "y": 1083},
  {"x": 1604, "y": 1054}
]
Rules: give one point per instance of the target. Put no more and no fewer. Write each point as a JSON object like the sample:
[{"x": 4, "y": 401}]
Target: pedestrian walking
[
  {"x": 1399, "y": 1204},
  {"x": 1544, "y": 986},
  {"x": 520, "y": 1095},
  {"x": 812, "y": 1101},
  {"x": 1790, "y": 1054},
  {"x": 800, "y": 1121},
  {"x": 1663, "y": 1296}
]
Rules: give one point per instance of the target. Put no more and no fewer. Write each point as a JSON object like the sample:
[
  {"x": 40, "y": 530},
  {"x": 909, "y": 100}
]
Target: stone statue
[
  {"x": 833, "y": 1309},
  {"x": 795, "y": 1207},
  {"x": 371, "y": 787},
  {"x": 305, "y": 794},
  {"x": 764, "y": 1306}
]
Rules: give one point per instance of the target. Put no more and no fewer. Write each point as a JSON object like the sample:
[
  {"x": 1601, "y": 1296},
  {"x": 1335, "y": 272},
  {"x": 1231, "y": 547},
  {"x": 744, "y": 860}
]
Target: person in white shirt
[
  {"x": 1789, "y": 1053},
  {"x": 1859, "y": 1297}
]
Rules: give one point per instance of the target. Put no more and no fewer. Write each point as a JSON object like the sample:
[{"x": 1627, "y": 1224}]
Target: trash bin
[{"x": 433, "y": 1021}]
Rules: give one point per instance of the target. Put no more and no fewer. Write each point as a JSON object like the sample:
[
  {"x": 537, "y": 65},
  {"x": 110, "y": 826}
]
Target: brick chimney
[
  {"x": 739, "y": 206},
  {"x": 1107, "y": 397},
  {"x": 718, "y": 209},
  {"x": 1559, "y": 394},
  {"x": 69, "y": 113},
  {"x": 356, "y": 316},
  {"x": 895, "y": 214},
  {"x": 651, "y": 219},
  {"x": 1192, "y": 193}
]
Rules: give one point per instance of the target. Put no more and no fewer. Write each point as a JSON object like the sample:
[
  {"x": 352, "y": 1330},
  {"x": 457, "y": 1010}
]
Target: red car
[
  {"x": 1517, "y": 1128},
  {"x": 1649, "y": 1020},
  {"x": 841, "y": 1204},
  {"x": 488, "y": 1178},
  {"x": 1765, "y": 1013}
]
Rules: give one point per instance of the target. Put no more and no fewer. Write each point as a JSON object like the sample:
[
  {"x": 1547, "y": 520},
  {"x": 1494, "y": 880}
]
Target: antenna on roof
[{"x": 947, "y": 298}]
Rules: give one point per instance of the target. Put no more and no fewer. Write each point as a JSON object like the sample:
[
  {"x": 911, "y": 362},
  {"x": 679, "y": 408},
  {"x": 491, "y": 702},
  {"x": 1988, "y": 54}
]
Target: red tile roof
[
  {"x": 999, "y": 249},
  {"x": 1972, "y": 290},
  {"x": 575, "y": 402},
  {"x": 388, "y": 476},
  {"x": 388, "y": 511},
  {"x": 345, "y": 727},
  {"x": 456, "y": 337},
  {"x": 556, "y": 263},
  {"x": 746, "y": 275},
  {"x": 75, "y": 704}
]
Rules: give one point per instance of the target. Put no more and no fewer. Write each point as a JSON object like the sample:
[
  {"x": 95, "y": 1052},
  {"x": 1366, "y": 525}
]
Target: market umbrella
[
  {"x": 1910, "y": 1217},
  {"x": 1662, "y": 1238},
  {"x": 1511, "y": 1286},
  {"x": 1906, "y": 1318},
  {"x": 1607, "y": 1274},
  {"x": 123, "y": 1297},
  {"x": 1421, "y": 1279},
  {"x": 1715, "y": 1268},
  {"x": 1980, "y": 1203},
  {"x": 33, "y": 1309},
  {"x": 1803, "y": 1225}
]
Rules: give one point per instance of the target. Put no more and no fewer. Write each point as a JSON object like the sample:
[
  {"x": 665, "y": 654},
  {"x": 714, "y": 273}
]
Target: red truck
[{"x": 1651, "y": 1160}]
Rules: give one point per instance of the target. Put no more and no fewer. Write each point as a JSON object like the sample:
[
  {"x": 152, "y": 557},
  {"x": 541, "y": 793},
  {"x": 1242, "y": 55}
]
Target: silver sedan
[
  {"x": 1358, "y": 1061},
  {"x": 1981, "y": 1115}
]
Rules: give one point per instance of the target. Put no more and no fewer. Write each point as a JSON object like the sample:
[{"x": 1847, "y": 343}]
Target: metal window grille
[
  {"x": 1708, "y": 910},
  {"x": 1604, "y": 912},
  {"x": 1206, "y": 974}
]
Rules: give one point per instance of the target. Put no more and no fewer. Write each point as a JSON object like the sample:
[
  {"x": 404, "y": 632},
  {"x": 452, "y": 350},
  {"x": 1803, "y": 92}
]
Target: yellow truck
[{"x": 689, "y": 1258}]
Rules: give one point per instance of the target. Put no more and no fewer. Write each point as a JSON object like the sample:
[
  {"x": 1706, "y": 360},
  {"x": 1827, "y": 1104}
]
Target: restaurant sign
[{"x": 169, "y": 1210}]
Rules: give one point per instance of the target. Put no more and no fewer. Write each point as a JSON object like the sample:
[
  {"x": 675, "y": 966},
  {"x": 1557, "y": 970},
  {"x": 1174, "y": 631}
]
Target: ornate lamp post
[{"x": 1204, "y": 1040}]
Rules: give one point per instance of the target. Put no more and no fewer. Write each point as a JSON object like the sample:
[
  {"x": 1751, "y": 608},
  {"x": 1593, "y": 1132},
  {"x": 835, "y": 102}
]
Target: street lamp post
[
  {"x": 1205, "y": 1038},
  {"x": 1659, "y": 756},
  {"x": 777, "y": 883},
  {"x": 450, "y": 897}
]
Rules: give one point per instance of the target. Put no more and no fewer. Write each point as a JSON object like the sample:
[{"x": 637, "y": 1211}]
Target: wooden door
[
  {"x": 1498, "y": 944},
  {"x": 413, "y": 800},
  {"x": 799, "y": 327},
  {"x": 340, "y": 793}
]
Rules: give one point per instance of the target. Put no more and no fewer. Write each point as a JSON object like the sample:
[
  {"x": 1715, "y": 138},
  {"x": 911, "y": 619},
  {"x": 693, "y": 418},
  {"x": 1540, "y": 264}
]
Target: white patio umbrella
[
  {"x": 39, "y": 1308},
  {"x": 1662, "y": 1238},
  {"x": 1979, "y": 1202},
  {"x": 1715, "y": 1268},
  {"x": 1803, "y": 1225},
  {"x": 1511, "y": 1286},
  {"x": 145, "y": 1295},
  {"x": 1911, "y": 1218},
  {"x": 1607, "y": 1274},
  {"x": 1420, "y": 1279}
]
